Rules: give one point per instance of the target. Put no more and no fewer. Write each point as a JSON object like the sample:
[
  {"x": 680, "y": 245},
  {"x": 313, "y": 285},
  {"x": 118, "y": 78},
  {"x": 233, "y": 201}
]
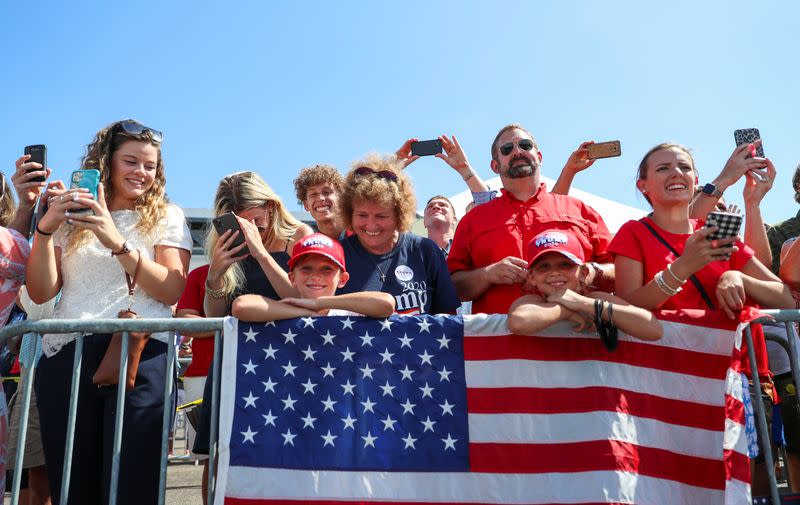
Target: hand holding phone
[
  {"x": 749, "y": 136},
  {"x": 728, "y": 224},
  {"x": 38, "y": 154},
  {"x": 87, "y": 179},
  {"x": 228, "y": 222}
]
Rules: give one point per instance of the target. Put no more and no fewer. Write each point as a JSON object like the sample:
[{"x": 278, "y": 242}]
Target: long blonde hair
[
  {"x": 151, "y": 207},
  {"x": 242, "y": 191}
]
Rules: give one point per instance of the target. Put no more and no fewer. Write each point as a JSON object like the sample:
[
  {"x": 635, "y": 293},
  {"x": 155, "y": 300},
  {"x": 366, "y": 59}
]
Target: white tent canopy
[{"x": 614, "y": 214}]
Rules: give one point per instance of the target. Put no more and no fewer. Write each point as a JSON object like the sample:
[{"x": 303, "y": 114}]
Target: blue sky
[{"x": 274, "y": 87}]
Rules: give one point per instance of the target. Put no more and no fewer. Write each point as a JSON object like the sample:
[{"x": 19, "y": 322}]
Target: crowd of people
[{"x": 528, "y": 251}]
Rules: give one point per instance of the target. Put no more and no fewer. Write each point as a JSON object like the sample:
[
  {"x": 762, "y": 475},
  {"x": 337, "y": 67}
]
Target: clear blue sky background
[{"x": 274, "y": 87}]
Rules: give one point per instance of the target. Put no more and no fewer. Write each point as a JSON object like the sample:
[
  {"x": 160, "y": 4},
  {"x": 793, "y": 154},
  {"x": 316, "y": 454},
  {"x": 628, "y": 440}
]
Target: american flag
[{"x": 440, "y": 409}]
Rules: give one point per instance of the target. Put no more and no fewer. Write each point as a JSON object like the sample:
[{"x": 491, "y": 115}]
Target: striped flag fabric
[{"x": 444, "y": 409}]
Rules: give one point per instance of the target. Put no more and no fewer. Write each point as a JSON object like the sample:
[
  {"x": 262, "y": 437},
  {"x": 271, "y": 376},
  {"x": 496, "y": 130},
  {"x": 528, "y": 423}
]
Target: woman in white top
[{"x": 85, "y": 256}]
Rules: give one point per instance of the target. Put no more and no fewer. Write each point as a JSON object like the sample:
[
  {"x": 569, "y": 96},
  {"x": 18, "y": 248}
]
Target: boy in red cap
[
  {"x": 557, "y": 274},
  {"x": 317, "y": 269}
]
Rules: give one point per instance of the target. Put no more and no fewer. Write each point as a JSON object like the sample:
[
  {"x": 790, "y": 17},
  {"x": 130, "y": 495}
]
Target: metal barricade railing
[
  {"x": 89, "y": 326},
  {"x": 788, "y": 317}
]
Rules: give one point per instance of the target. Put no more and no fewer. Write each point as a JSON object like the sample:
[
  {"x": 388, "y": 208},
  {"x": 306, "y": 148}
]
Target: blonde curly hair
[
  {"x": 374, "y": 189},
  {"x": 242, "y": 191},
  {"x": 151, "y": 207}
]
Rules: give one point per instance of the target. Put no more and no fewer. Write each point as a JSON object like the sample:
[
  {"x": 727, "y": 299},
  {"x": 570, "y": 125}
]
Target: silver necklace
[{"x": 383, "y": 274}]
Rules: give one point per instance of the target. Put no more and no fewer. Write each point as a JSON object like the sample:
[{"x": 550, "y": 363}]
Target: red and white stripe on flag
[{"x": 555, "y": 418}]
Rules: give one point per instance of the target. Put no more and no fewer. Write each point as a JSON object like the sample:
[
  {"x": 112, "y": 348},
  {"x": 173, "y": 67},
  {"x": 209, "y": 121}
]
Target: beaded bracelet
[
  {"x": 666, "y": 288},
  {"x": 214, "y": 293}
]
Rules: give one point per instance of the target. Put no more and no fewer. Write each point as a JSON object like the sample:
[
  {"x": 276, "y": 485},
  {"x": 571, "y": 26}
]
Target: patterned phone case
[
  {"x": 748, "y": 136},
  {"x": 728, "y": 223}
]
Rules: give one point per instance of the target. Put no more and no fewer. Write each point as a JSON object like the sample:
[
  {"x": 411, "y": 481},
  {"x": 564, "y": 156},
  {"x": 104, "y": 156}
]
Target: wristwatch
[
  {"x": 126, "y": 248},
  {"x": 711, "y": 189}
]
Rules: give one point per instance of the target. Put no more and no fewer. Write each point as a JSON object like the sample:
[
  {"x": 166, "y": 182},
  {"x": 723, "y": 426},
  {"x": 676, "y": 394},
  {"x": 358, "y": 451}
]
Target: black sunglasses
[
  {"x": 383, "y": 174},
  {"x": 524, "y": 144},
  {"x": 132, "y": 127}
]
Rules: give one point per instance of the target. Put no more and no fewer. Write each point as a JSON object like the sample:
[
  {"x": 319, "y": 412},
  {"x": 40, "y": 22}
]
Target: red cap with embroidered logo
[
  {"x": 318, "y": 243},
  {"x": 559, "y": 241}
]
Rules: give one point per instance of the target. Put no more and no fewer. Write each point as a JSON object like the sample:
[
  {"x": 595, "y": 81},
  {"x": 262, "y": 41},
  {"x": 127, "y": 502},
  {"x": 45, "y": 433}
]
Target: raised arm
[
  {"x": 755, "y": 233},
  {"x": 790, "y": 264},
  {"x": 578, "y": 161}
]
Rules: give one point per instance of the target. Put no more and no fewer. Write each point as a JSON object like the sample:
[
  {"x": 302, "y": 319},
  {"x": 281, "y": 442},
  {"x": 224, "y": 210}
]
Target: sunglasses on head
[
  {"x": 524, "y": 144},
  {"x": 383, "y": 174},
  {"x": 133, "y": 128}
]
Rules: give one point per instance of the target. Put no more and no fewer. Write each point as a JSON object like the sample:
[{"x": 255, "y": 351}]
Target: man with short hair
[
  {"x": 318, "y": 189},
  {"x": 440, "y": 220},
  {"x": 487, "y": 260}
]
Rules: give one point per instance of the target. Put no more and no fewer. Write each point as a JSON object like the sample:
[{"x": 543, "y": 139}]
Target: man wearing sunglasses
[{"x": 487, "y": 258}]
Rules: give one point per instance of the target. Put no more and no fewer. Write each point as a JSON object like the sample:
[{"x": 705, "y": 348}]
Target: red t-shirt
[
  {"x": 192, "y": 298},
  {"x": 635, "y": 241},
  {"x": 504, "y": 227}
]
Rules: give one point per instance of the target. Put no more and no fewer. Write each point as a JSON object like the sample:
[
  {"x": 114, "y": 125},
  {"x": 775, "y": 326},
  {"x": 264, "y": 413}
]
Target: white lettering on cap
[{"x": 552, "y": 239}]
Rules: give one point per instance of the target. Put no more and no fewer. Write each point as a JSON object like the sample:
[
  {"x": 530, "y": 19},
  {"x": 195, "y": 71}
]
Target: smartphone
[
  {"x": 89, "y": 179},
  {"x": 426, "y": 147},
  {"x": 605, "y": 150},
  {"x": 38, "y": 153},
  {"x": 748, "y": 136},
  {"x": 729, "y": 224},
  {"x": 227, "y": 222}
]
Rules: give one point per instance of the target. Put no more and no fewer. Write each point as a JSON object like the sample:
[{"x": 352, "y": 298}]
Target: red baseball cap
[
  {"x": 559, "y": 241},
  {"x": 321, "y": 244}
]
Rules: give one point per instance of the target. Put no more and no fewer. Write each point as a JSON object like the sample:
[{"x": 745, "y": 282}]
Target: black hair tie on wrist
[
  {"x": 40, "y": 232},
  {"x": 606, "y": 330}
]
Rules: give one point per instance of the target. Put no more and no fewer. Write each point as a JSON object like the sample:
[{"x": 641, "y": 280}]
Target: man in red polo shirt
[{"x": 487, "y": 258}]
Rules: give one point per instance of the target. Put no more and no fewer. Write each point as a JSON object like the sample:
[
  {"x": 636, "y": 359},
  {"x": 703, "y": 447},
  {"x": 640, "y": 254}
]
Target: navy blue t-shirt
[{"x": 415, "y": 274}]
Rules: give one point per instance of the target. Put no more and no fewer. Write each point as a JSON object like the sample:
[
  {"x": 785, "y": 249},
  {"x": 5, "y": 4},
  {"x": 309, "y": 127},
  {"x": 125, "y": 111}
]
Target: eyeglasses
[
  {"x": 524, "y": 144},
  {"x": 383, "y": 174},
  {"x": 134, "y": 128}
]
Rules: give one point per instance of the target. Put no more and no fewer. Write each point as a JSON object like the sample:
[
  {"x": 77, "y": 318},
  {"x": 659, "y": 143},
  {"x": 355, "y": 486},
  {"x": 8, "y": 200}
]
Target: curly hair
[
  {"x": 242, "y": 191},
  {"x": 8, "y": 208},
  {"x": 151, "y": 207},
  {"x": 316, "y": 175},
  {"x": 796, "y": 184},
  {"x": 641, "y": 173},
  {"x": 511, "y": 126},
  {"x": 373, "y": 189}
]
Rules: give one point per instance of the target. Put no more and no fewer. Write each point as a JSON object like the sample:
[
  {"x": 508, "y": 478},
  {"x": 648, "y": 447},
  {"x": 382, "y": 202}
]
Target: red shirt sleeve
[
  {"x": 601, "y": 237},
  {"x": 626, "y": 243},
  {"x": 195, "y": 291}
]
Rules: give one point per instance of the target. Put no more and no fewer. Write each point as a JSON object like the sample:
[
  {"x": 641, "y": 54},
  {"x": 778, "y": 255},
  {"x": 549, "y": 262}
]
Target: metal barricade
[
  {"x": 89, "y": 326},
  {"x": 788, "y": 317}
]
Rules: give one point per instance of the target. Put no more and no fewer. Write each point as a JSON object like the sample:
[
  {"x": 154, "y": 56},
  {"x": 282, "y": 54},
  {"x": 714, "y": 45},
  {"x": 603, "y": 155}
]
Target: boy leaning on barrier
[{"x": 317, "y": 270}]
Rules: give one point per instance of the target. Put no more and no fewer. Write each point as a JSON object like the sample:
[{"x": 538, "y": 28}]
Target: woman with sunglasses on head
[
  {"x": 130, "y": 228},
  {"x": 378, "y": 204},
  {"x": 259, "y": 265}
]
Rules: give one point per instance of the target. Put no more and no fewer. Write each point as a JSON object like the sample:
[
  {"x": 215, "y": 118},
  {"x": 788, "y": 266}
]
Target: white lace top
[{"x": 94, "y": 282}]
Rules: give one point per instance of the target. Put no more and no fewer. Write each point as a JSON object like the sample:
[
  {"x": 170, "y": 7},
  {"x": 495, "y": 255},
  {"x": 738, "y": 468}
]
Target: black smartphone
[
  {"x": 227, "y": 222},
  {"x": 748, "y": 136},
  {"x": 426, "y": 147},
  {"x": 38, "y": 154}
]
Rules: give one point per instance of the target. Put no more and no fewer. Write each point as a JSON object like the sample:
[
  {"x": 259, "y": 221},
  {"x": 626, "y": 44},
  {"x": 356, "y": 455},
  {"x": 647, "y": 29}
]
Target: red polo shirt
[
  {"x": 192, "y": 298},
  {"x": 504, "y": 227}
]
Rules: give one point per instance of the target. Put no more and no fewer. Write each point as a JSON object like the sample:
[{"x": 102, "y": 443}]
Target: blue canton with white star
[{"x": 351, "y": 393}]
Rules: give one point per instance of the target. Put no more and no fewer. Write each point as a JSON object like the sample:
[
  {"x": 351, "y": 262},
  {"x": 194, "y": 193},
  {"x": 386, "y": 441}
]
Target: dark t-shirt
[
  {"x": 255, "y": 280},
  {"x": 415, "y": 274}
]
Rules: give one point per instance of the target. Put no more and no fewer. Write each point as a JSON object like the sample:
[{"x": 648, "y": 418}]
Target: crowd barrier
[
  {"x": 787, "y": 317},
  {"x": 111, "y": 326}
]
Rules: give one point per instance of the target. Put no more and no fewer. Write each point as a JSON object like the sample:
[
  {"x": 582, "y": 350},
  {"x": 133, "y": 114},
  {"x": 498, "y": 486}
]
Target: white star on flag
[
  {"x": 309, "y": 321},
  {"x": 250, "y": 400},
  {"x": 449, "y": 443},
  {"x": 366, "y": 340},
  {"x": 428, "y": 424},
  {"x": 328, "y": 370},
  {"x": 288, "y": 437},
  {"x": 329, "y": 439},
  {"x": 250, "y": 334},
  {"x": 309, "y": 354},
  {"x": 368, "y": 405},
  {"x": 426, "y": 391},
  {"x": 387, "y": 389},
  {"x": 347, "y": 355},
  {"x": 423, "y": 326},
  {"x": 308, "y": 386},
  {"x": 367, "y": 371},
  {"x": 425, "y": 357},
  {"x": 328, "y": 404},
  {"x": 386, "y": 355},
  {"x": 406, "y": 373},
  {"x": 409, "y": 440},
  {"x": 288, "y": 369},
  {"x": 288, "y": 403},
  {"x": 443, "y": 342},
  {"x": 249, "y": 367},
  {"x": 289, "y": 336},
  {"x": 347, "y": 323},
  {"x": 348, "y": 388},
  {"x": 308, "y": 421},
  {"x": 447, "y": 408},
  {"x": 328, "y": 338},
  {"x": 269, "y": 323},
  {"x": 388, "y": 423},
  {"x": 248, "y": 435},
  {"x": 269, "y": 385},
  {"x": 349, "y": 422},
  {"x": 270, "y": 352},
  {"x": 386, "y": 325},
  {"x": 405, "y": 341},
  {"x": 444, "y": 374},
  {"x": 269, "y": 418},
  {"x": 408, "y": 407},
  {"x": 369, "y": 440}
]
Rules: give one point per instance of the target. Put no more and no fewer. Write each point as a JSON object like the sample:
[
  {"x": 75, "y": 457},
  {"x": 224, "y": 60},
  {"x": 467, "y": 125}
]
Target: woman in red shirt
[{"x": 649, "y": 274}]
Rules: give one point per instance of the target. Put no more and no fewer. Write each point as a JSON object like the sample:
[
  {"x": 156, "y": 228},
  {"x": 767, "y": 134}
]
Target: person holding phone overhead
[
  {"x": 259, "y": 265},
  {"x": 666, "y": 260},
  {"x": 132, "y": 229}
]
